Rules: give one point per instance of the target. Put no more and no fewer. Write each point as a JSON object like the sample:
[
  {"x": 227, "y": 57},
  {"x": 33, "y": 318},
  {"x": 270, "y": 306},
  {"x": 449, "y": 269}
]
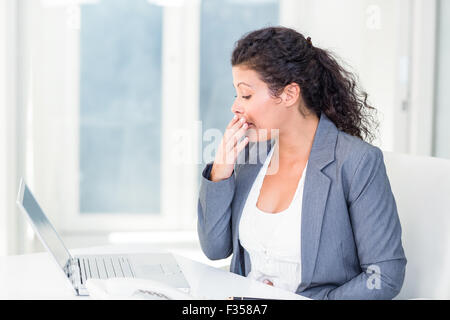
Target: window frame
[
  {"x": 177, "y": 212},
  {"x": 423, "y": 77}
]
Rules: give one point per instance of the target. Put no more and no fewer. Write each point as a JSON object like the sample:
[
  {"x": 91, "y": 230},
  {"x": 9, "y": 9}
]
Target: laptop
[{"x": 161, "y": 267}]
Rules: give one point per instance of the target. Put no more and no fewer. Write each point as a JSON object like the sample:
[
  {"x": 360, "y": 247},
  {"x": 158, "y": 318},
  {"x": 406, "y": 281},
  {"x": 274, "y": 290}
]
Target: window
[
  {"x": 120, "y": 107},
  {"x": 131, "y": 69},
  {"x": 98, "y": 90}
]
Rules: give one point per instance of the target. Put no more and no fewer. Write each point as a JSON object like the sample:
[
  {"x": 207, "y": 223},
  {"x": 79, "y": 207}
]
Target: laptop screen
[{"x": 44, "y": 228}]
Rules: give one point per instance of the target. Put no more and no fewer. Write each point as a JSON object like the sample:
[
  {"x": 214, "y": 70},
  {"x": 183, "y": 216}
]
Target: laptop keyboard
[{"x": 98, "y": 267}]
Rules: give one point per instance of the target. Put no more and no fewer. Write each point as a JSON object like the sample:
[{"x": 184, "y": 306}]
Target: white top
[{"x": 273, "y": 240}]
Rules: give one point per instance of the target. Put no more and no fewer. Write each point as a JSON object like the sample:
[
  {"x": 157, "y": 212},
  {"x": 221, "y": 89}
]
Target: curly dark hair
[{"x": 282, "y": 56}]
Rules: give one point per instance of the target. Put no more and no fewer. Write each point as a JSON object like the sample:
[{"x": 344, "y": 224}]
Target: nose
[{"x": 236, "y": 109}]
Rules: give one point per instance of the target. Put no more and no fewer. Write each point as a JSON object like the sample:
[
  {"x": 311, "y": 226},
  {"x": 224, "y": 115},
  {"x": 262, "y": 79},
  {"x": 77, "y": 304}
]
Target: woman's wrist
[{"x": 214, "y": 177}]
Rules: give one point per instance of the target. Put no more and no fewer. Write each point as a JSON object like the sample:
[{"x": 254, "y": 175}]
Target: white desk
[{"x": 36, "y": 276}]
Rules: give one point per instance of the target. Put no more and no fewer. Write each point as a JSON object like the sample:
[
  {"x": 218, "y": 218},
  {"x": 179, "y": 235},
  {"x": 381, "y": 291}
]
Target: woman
[{"x": 324, "y": 222}]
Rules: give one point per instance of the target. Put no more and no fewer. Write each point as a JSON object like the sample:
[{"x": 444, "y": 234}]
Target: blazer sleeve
[
  {"x": 377, "y": 233},
  {"x": 214, "y": 215}
]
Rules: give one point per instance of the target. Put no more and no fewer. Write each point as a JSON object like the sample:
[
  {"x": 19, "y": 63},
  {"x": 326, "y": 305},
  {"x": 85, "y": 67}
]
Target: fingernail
[
  {"x": 235, "y": 116},
  {"x": 242, "y": 120}
]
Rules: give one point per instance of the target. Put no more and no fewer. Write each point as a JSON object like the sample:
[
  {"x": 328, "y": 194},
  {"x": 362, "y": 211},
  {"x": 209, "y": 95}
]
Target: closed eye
[{"x": 245, "y": 97}]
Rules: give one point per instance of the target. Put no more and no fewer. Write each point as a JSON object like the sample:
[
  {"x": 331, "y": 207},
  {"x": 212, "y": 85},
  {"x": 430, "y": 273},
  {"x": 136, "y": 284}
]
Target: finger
[
  {"x": 241, "y": 132},
  {"x": 230, "y": 157},
  {"x": 232, "y": 122},
  {"x": 234, "y": 148},
  {"x": 241, "y": 145},
  {"x": 234, "y": 128},
  {"x": 233, "y": 154},
  {"x": 232, "y": 141},
  {"x": 268, "y": 282}
]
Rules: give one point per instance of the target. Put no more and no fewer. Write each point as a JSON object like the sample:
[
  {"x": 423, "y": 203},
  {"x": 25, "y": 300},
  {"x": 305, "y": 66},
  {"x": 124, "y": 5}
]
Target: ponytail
[{"x": 335, "y": 92}]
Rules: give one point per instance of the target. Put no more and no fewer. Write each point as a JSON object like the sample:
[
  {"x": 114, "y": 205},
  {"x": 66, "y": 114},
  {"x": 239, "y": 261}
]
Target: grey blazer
[{"x": 351, "y": 244}]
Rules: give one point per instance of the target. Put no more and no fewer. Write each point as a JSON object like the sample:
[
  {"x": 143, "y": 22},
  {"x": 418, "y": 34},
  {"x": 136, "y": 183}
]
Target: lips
[{"x": 249, "y": 124}]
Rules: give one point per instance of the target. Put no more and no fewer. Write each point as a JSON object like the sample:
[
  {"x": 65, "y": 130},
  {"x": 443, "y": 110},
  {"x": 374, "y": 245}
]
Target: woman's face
[{"x": 254, "y": 103}]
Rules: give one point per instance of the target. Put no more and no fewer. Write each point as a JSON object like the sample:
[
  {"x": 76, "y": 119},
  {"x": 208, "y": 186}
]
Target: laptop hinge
[{"x": 72, "y": 270}]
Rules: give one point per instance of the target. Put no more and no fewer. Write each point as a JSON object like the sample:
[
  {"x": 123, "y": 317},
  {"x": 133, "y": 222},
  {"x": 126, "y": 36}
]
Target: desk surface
[{"x": 36, "y": 276}]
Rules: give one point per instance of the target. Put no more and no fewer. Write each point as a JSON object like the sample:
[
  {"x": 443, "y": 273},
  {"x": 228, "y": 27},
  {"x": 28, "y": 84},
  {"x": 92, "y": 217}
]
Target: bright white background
[{"x": 397, "y": 48}]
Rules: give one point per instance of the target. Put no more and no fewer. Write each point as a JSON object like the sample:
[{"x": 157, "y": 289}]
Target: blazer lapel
[{"x": 315, "y": 195}]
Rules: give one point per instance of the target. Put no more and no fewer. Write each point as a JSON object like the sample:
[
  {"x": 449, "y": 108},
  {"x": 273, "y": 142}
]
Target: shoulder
[
  {"x": 352, "y": 150},
  {"x": 357, "y": 161}
]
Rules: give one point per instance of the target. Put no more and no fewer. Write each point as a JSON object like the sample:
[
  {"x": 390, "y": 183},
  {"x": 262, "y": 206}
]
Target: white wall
[
  {"x": 371, "y": 37},
  {"x": 7, "y": 127},
  {"x": 3, "y": 208}
]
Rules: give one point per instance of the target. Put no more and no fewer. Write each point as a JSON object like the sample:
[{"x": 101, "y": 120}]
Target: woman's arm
[
  {"x": 377, "y": 232},
  {"x": 214, "y": 204},
  {"x": 214, "y": 215}
]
